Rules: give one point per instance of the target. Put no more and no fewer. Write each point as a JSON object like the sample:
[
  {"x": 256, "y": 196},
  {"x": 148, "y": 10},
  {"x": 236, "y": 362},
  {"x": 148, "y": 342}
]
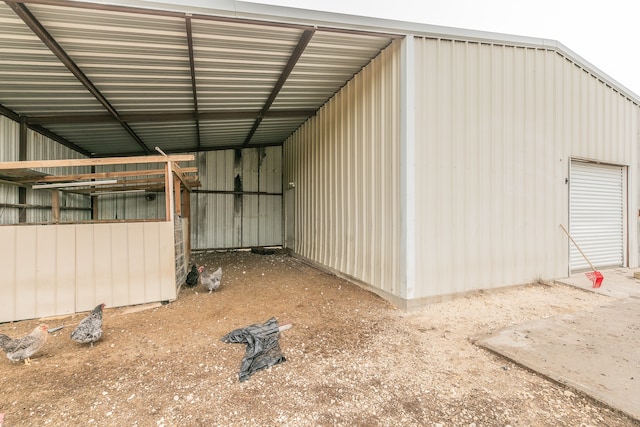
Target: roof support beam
[
  {"x": 293, "y": 60},
  {"x": 38, "y": 29},
  {"x": 46, "y": 132},
  {"x": 164, "y": 117},
  {"x": 192, "y": 68}
]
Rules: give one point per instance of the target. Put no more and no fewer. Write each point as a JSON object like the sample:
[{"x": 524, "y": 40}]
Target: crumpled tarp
[{"x": 263, "y": 348}]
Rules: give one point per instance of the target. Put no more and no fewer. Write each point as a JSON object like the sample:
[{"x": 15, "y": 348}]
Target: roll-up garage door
[{"x": 596, "y": 206}]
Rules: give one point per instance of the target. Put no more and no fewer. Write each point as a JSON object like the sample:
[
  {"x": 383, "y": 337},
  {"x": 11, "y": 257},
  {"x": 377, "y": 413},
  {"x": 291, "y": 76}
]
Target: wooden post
[
  {"x": 55, "y": 205},
  {"x": 168, "y": 190},
  {"x": 186, "y": 213},
  {"x": 22, "y": 156},
  {"x": 176, "y": 192},
  {"x": 94, "y": 207}
]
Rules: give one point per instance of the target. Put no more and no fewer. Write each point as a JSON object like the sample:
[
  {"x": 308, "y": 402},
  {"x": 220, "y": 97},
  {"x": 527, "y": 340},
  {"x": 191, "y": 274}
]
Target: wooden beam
[
  {"x": 96, "y": 175},
  {"x": 178, "y": 171},
  {"x": 168, "y": 191},
  {"x": 55, "y": 205},
  {"x": 96, "y": 161}
]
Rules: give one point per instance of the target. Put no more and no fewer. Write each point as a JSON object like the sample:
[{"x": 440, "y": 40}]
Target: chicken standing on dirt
[
  {"x": 90, "y": 328},
  {"x": 192, "y": 277},
  {"x": 210, "y": 281},
  {"x": 18, "y": 349}
]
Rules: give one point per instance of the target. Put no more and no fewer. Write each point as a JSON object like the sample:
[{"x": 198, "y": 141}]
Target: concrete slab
[
  {"x": 617, "y": 282},
  {"x": 597, "y": 352}
]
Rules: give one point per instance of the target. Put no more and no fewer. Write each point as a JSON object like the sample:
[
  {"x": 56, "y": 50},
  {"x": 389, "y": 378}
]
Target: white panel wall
[
  {"x": 59, "y": 269},
  {"x": 344, "y": 164},
  {"x": 496, "y": 127}
]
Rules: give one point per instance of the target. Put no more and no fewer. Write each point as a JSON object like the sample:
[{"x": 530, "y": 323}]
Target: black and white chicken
[
  {"x": 18, "y": 349},
  {"x": 210, "y": 281},
  {"x": 192, "y": 277},
  {"x": 89, "y": 329}
]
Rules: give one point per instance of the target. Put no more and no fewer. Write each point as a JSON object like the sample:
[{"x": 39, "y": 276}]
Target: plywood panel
[
  {"x": 46, "y": 254},
  {"x": 136, "y": 248},
  {"x": 151, "y": 263},
  {"x": 85, "y": 267},
  {"x": 120, "y": 265},
  {"x": 8, "y": 265},
  {"x": 103, "y": 262},
  {"x": 65, "y": 269},
  {"x": 26, "y": 289},
  {"x": 166, "y": 254}
]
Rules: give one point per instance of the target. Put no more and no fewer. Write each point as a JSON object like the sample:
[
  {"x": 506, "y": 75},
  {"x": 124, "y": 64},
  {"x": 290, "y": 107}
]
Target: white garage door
[{"x": 596, "y": 215}]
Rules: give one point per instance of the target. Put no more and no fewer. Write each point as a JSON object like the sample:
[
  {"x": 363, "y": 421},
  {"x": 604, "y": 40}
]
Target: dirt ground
[{"x": 352, "y": 359}]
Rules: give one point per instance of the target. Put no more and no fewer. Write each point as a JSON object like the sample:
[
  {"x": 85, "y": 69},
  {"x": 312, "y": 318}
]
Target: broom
[{"x": 595, "y": 276}]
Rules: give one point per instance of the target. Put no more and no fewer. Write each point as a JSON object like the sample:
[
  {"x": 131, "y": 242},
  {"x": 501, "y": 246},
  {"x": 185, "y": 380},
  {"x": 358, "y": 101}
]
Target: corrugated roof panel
[
  {"x": 32, "y": 80},
  {"x": 118, "y": 50},
  {"x": 101, "y": 138},
  {"x": 330, "y": 60},
  {"x": 276, "y": 130},
  {"x": 169, "y": 135},
  {"x": 237, "y": 64},
  {"x": 224, "y": 133}
]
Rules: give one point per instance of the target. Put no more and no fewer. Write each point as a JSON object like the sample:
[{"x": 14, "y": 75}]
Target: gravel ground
[{"x": 352, "y": 359}]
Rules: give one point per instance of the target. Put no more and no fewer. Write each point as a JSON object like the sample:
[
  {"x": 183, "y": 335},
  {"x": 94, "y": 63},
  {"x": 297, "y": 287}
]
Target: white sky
[{"x": 605, "y": 33}]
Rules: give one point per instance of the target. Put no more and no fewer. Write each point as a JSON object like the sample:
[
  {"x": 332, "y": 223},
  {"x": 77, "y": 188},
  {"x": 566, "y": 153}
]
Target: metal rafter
[
  {"x": 38, "y": 29},
  {"x": 293, "y": 60},
  {"x": 163, "y": 117},
  {"x": 7, "y": 112},
  {"x": 192, "y": 68}
]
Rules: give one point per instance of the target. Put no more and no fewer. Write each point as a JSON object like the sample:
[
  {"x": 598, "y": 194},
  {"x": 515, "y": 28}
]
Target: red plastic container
[{"x": 595, "y": 277}]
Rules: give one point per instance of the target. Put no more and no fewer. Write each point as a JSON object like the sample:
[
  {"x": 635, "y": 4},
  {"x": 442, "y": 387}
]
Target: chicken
[
  {"x": 89, "y": 329},
  {"x": 192, "y": 277},
  {"x": 210, "y": 281},
  {"x": 18, "y": 349}
]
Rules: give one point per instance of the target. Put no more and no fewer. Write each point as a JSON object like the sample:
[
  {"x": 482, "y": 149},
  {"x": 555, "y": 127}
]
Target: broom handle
[{"x": 574, "y": 242}]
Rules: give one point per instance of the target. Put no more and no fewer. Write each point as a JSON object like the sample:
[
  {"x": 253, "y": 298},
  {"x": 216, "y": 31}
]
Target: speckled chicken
[
  {"x": 18, "y": 349},
  {"x": 210, "y": 281},
  {"x": 89, "y": 329}
]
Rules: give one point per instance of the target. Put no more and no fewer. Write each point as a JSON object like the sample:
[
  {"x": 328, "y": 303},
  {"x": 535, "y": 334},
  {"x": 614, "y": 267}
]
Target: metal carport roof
[
  {"x": 119, "y": 77},
  {"x": 117, "y": 80}
]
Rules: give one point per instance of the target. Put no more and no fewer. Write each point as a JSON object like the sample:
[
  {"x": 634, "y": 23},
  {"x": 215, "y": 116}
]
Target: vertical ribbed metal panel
[
  {"x": 597, "y": 215},
  {"x": 9, "y": 137},
  {"x": 344, "y": 167},
  {"x": 128, "y": 206},
  {"x": 40, "y": 147},
  {"x": 496, "y": 127},
  {"x": 223, "y": 215}
]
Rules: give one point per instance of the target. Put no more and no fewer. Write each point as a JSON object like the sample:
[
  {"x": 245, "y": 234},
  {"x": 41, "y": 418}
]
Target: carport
[{"x": 110, "y": 80}]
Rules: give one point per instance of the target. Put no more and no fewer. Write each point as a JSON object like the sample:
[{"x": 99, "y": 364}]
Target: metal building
[{"x": 421, "y": 162}]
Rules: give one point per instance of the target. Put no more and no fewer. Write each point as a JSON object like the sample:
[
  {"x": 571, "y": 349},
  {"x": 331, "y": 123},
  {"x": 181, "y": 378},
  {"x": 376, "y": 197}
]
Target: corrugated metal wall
[
  {"x": 39, "y": 147},
  {"x": 240, "y": 201},
  {"x": 496, "y": 127},
  {"x": 58, "y": 269},
  {"x": 344, "y": 166},
  {"x": 9, "y": 138},
  {"x": 131, "y": 206}
]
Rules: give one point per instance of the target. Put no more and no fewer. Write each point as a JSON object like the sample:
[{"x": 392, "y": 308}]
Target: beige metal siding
[
  {"x": 224, "y": 216},
  {"x": 343, "y": 165},
  {"x": 496, "y": 127},
  {"x": 58, "y": 269}
]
